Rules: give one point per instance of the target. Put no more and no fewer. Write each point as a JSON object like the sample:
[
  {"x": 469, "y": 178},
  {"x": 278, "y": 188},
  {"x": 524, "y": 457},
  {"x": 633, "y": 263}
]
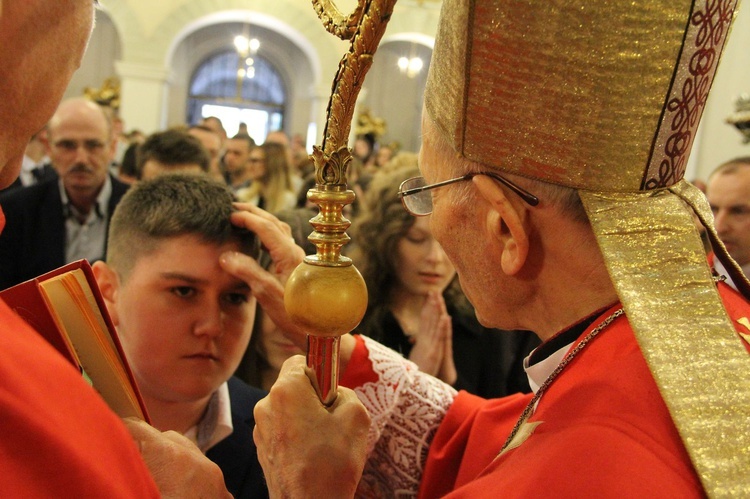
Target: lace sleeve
[{"x": 406, "y": 407}]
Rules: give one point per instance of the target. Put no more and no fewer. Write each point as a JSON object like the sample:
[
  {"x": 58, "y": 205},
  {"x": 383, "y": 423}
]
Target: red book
[{"x": 66, "y": 307}]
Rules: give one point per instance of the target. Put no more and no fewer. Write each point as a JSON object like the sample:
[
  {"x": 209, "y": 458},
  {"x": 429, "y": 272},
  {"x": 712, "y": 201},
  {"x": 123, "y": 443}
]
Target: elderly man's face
[
  {"x": 80, "y": 146},
  {"x": 729, "y": 197},
  {"x": 34, "y": 71},
  {"x": 456, "y": 225}
]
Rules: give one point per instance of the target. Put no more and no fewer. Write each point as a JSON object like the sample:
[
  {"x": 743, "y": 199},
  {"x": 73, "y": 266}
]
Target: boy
[{"x": 184, "y": 323}]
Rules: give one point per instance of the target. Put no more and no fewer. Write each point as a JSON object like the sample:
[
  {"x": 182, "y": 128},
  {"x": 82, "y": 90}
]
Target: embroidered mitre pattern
[
  {"x": 704, "y": 41},
  {"x": 406, "y": 407}
]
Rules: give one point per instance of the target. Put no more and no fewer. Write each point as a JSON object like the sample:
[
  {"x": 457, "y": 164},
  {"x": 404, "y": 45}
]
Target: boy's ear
[
  {"x": 109, "y": 284},
  {"x": 505, "y": 224}
]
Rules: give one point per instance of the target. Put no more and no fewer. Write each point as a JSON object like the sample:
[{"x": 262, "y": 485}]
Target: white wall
[{"x": 99, "y": 61}]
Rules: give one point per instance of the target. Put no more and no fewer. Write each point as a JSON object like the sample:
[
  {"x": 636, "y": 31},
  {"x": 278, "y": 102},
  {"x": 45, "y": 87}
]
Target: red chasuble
[
  {"x": 600, "y": 430},
  {"x": 58, "y": 438}
]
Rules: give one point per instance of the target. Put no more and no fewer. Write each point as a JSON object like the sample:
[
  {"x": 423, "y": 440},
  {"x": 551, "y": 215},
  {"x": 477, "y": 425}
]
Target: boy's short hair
[
  {"x": 172, "y": 147},
  {"x": 169, "y": 206}
]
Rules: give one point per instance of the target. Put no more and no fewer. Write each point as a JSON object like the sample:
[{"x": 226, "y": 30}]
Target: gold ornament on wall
[
  {"x": 367, "y": 124},
  {"x": 740, "y": 118},
  {"x": 108, "y": 95}
]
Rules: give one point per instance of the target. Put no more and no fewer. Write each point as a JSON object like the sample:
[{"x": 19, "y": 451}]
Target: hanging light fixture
[{"x": 246, "y": 47}]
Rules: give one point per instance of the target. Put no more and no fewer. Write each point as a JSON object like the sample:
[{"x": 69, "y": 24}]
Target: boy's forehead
[{"x": 186, "y": 250}]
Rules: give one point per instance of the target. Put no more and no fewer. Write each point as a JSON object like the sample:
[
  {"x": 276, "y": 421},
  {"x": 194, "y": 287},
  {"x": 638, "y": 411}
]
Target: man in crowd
[
  {"x": 214, "y": 144},
  {"x": 63, "y": 219},
  {"x": 215, "y": 124},
  {"x": 236, "y": 159},
  {"x": 170, "y": 151},
  {"x": 728, "y": 194},
  {"x": 552, "y": 158},
  {"x": 35, "y": 167}
]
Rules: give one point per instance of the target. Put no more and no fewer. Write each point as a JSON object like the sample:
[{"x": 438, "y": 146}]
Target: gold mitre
[
  {"x": 603, "y": 96},
  {"x": 606, "y": 97}
]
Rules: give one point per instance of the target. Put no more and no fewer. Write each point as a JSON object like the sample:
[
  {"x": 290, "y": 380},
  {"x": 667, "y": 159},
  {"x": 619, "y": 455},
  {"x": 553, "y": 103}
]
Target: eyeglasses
[{"x": 417, "y": 199}]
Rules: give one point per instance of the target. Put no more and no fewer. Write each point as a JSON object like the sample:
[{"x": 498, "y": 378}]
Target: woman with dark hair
[
  {"x": 269, "y": 347},
  {"x": 415, "y": 303},
  {"x": 271, "y": 187}
]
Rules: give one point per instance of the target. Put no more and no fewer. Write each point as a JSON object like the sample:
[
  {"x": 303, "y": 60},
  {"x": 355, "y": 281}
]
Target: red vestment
[
  {"x": 603, "y": 430},
  {"x": 58, "y": 438}
]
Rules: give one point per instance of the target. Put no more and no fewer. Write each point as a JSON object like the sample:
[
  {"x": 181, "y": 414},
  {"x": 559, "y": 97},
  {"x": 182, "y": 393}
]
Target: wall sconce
[{"x": 410, "y": 66}]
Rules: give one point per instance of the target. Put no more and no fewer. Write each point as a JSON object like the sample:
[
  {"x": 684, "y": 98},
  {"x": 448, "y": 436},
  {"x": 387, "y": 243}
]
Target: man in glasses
[
  {"x": 554, "y": 142},
  {"x": 63, "y": 219}
]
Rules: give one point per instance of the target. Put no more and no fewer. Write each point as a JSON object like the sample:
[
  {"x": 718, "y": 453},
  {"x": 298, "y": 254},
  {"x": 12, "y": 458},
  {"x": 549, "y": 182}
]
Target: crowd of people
[
  {"x": 416, "y": 303},
  {"x": 541, "y": 322}
]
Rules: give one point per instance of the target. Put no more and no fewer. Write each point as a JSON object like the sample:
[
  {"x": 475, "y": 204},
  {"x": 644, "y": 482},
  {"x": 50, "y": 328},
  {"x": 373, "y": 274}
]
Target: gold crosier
[{"x": 326, "y": 295}]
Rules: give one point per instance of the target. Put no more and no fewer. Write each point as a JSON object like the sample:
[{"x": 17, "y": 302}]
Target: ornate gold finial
[
  {"x": 740, "y": 118},
  {"x": 107, "y": 95},
  {"x": 326, "y": 295}
]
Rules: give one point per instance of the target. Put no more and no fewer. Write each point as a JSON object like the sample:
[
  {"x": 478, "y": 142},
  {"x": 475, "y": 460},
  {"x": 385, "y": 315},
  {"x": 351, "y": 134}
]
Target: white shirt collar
[
  {"x": 216, "y": 423},
  {"x": 721, "y": 270},
  {"x": 27, "y": 164},
  {"x": 539, "y": 372}
]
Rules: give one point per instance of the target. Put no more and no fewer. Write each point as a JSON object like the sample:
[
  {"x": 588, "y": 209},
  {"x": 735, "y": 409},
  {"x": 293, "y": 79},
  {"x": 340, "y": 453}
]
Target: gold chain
[{"x": 530, "y": 407}]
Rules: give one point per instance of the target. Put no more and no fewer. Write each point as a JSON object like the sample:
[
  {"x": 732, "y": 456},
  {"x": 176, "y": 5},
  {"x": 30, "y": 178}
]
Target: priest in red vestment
[
  {"x": 555, "y": 139},
  {"x": 58, "y": 438}
]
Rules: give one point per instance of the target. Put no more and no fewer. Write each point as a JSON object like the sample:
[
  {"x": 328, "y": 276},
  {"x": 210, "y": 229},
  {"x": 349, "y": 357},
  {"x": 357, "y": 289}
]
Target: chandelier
[{"x": 246, "y": 48}]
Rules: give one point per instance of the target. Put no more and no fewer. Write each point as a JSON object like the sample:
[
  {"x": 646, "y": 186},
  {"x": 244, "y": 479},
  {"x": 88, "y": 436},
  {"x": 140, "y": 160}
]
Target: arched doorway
[
  {"x": 396, "y": 95},
  {"x": 238, "y": 89},
  {"x": 286, "y": 97}
]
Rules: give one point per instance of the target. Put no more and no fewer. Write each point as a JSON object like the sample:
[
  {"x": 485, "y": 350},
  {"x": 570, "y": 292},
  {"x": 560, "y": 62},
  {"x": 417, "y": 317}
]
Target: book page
[{"x": 72, "y": 302}]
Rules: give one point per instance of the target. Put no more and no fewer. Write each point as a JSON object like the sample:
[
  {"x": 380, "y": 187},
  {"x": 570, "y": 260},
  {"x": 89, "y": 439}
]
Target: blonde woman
[{"x": 271, "y": 187}]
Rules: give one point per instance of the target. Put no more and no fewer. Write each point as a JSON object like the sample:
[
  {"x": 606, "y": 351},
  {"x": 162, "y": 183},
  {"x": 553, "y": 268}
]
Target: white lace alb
[{"x": 406, "y": 407}]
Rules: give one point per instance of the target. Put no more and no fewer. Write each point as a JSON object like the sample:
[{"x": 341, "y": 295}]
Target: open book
[{"x": 66, "y": 307}]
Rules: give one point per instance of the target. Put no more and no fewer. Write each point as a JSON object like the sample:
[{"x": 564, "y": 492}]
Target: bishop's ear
[
  {"x": 505, "y": 223},
  {"x": 109, "y": 283}
]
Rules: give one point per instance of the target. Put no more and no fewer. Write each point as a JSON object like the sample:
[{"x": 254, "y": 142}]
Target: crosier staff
[{"x": 326, "y": 295}]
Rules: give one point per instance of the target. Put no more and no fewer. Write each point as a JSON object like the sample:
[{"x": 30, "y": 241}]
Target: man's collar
[
  {"x": 722, "y": 271},
  {"x": 101, "y": 206},
  {"x": 546, "y": 357}
]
